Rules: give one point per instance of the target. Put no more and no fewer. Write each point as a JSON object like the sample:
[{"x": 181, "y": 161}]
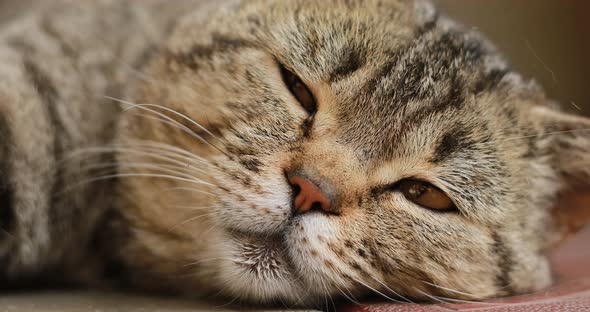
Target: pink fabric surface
[{"x": 571, "y": 292}]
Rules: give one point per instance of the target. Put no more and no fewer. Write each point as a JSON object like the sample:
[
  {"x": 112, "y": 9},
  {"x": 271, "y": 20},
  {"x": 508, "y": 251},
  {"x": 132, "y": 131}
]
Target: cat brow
[
  {"x": 449, "y": 144},
  {"x": 349, "y": 64}
]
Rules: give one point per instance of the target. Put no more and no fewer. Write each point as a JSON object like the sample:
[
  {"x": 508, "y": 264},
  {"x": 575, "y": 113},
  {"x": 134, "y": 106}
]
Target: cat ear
[{"x": 566, "y": 139}]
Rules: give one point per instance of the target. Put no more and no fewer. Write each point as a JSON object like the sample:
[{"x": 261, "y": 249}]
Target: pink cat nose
[{"x": 308, "y": 196}]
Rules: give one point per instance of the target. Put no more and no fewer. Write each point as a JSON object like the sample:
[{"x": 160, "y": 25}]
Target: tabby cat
[{"x": 277, "y": 151}]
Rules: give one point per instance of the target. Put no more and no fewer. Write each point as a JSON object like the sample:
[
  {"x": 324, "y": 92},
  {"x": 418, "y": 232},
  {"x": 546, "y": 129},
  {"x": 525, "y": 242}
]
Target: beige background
[{"x": 545, "y": 39}]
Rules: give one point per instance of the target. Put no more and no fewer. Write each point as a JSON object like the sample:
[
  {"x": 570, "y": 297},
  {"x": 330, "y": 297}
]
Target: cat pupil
[
  {"x": 299, "y": 90},
  {"x": 426, "y": 195},
  {"x": 417, "y": 190}
]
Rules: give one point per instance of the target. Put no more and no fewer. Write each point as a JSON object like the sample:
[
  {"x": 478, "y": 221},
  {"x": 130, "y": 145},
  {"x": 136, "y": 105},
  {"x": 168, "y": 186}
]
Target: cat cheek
[
  {"x": 260, "y": 206},
  {"x": 314, "y": 247}
]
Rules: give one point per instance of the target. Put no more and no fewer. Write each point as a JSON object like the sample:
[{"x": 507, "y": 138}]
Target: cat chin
[
  {"x": 256, "y": 268},
  {"x": 279, "y": 268}
]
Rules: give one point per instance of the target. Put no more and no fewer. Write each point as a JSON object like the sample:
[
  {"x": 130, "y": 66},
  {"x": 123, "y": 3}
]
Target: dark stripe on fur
[
  {"x": 505, "y": 264},
  {"x": 7, "y": 216},
  {"x": 396, "y": 57},
  {"x": 489, "y": 81},
  {"x": 428, "y": 25},
  {"x": 426, "y": 28},
  {"x": 199, "y": 53},
  {"x": 349, "y": 64},
  {"x": 56, "y": 36},
  {"x": 436, "y": 58},
  {"x": 451, "y": 142},
  {"x": 49, "y": 97},
  {"x": 45, "y": 89}
]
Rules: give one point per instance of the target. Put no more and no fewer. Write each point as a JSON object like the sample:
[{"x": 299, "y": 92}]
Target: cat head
[{"x": 293, "y": 150}]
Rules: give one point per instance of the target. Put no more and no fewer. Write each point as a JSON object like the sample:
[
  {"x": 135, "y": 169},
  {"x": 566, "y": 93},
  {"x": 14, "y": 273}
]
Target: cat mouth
[
  {"x": 263, "y": 255},
  {"x": 259, "y": 267}
]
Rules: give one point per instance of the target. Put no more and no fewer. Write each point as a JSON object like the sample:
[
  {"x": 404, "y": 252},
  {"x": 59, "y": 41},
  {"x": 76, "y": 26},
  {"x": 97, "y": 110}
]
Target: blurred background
[{"x": 548, "y": 40}]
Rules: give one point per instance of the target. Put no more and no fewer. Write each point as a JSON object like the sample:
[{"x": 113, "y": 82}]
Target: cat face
[{"x": 338, "y": 148}]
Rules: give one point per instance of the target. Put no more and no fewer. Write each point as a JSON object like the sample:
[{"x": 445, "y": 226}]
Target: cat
[{"x": 278, "y": 151}]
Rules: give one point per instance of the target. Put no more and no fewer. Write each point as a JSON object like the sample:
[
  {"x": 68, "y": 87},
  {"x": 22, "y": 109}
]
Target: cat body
[
  {"x": 58, "y": 64},
  {"x": 161, "y": 137}
]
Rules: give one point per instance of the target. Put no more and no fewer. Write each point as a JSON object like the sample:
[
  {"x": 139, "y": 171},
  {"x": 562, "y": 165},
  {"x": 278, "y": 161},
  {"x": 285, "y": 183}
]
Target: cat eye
[
  {"x": 299, "y": 90},
  {"x": 425, "y": 194}
]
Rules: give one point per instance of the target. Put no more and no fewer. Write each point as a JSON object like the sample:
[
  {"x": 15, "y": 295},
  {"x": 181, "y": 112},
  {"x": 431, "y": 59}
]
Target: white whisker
[
  {"x": 206, "y": 260},
  {"x": 195, "y": 208},
  {"x": 188, "y": 189},
  {"x": 171, "y": 157},
  {"x": 137, "y": 175},
  {"x": 435, "y": 299},
  {"x": 226, "y": 304},
  {"x": 462, "y": 293},
  {"x": 170, "y": 119},
  {"x": 161, "y": 168},
  {"x": 453, "y": 300},
  {"x": 376, "y": 291},
  {"x": 391, "y": 290},
  {"x": 346, "y": 296},
  {"x": 136, "y": 149},
  {"x": 164, "y": 146},
  {"x": 432, "y": 297},
  {"x": 544, "y": 133},
  {"x": 194, "y": 218},
  {"x": 164, "y": 121},
  {"x": 451, "y": 290}
]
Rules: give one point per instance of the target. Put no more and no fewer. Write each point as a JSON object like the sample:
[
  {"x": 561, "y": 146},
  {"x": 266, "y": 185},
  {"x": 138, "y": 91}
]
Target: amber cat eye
[
  {"x": 299, "y": 90},
  {"x": 426, "y": 195}
]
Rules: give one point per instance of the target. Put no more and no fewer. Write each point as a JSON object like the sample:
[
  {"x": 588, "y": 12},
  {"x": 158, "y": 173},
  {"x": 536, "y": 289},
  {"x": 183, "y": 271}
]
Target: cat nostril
[
  {"x": 307, "y": 196},
  {"x": 317, "y": 206},
  {"x": 296, "y": 189}
]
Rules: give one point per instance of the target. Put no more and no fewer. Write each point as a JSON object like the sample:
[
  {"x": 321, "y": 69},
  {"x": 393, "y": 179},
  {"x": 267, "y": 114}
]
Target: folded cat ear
[{"x": 566, "y": 139}]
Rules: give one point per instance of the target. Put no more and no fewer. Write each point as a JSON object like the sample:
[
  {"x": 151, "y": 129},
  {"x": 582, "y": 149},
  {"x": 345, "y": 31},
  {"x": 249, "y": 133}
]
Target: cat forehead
[
  {"x": 419, "y": 89},
  {"x": 330, "y": 39},
  {"x": 395, "y": 70}
]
